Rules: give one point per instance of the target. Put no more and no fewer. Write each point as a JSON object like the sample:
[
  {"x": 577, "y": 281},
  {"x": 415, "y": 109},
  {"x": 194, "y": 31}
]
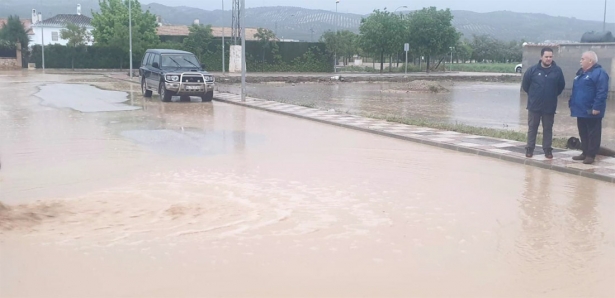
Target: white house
[{"x": 49, "y": 30}]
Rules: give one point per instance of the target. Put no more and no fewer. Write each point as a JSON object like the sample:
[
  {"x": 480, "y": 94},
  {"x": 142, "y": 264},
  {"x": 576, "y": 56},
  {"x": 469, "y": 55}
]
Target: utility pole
[
  {"x": 223, "y": 55},
  {"x": 130, "y": 34},
  {"x": 236, "y": 23},
  {"x": 604, "y": 20},
  {"x": 451, "y": 67},
  {"x": 242, "y": 16},
  {"x": 43, "y": 38},
  {"x": 336, "y": 41}
]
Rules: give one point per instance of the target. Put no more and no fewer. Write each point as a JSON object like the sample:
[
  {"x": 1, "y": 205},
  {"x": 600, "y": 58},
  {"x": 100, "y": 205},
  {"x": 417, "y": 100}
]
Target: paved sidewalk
[{"x": 603, "y": 169}]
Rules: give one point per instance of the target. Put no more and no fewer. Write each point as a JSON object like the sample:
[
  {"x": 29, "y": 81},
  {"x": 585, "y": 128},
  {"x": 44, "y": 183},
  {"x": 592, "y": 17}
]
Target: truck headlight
[
  {"x": 209, "y": 78},
  {"x": 172, "y": 78}
]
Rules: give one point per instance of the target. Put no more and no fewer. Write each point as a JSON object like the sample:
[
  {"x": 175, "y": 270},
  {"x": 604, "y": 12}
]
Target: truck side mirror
[{"x": 155, "y": 65}]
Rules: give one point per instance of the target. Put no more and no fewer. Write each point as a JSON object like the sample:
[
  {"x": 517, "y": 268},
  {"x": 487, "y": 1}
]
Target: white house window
[{"x": 54, "y": 36}]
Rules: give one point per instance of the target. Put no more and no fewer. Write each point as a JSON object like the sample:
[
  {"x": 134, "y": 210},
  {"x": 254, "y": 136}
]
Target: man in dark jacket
[
  {"x": 588, "y": 104},
  {"x": 543, "y": 83}
]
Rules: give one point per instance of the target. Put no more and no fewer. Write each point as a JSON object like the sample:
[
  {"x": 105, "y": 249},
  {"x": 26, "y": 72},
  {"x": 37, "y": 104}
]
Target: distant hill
[{"x": 309, "y": 24}]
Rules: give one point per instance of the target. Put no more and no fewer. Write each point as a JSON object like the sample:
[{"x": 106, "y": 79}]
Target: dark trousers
[
  {"x": 533, "y": 121},
  {"x": 590, "y": 131}
]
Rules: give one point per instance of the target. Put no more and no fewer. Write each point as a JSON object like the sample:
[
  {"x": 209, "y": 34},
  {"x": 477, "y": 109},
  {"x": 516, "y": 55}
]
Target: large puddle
[
  {"x": 190, "y": 141},
  {"x": 143, "y": 204},
  {"x": 493, "y": 105},
  {"x": 84, "y": 98}
]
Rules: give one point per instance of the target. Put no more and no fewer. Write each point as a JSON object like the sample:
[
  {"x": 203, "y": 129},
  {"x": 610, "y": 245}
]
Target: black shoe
[
  {"x": 549, "y": 153},
  {"x": 579, "y": 157},
  {"x": 588, "y": 160},
  {"x": 529, "y": 152}
]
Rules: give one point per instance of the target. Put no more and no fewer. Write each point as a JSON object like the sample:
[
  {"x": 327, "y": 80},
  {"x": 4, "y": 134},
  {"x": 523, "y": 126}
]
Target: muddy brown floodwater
[
  {"x": 151, "y": 199},
  {"x": 493, "y": 105}
]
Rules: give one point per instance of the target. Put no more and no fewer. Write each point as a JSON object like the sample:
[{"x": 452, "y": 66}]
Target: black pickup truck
[{"x": 175, "y": 73}]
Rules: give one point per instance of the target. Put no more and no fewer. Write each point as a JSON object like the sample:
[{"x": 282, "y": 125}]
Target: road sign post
[{"x": 406, "y": 49}]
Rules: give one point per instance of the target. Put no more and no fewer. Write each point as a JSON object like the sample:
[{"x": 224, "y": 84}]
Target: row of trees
[{"x": 429, "y": 32}]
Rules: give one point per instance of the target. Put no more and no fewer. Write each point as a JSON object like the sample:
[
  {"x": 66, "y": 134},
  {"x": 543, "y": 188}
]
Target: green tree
[
  {"x": 381, "y": 33},
  {"x": 344, "y": 43},
  {"x": 515, "y": 51},
  {"x": 330, "y": 39},
  {"x": 118, "y": 43},
  {"x": 198, "y": 39},
  {"x": 482, "y": 48},
  {"x": 463, "y": 51},
  {"x": 267, "y": 40},
  {"x": 111, "y": 27},
  {"x": 77, "y": 38},
  {"x": 13, "y": 32},
  {"x": 431, "y": 32},
  {"x": 348, "y": 44}
]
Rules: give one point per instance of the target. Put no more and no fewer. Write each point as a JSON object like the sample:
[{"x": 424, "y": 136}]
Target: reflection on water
[
  {"x": 84, "y": 98},
  {"x": 493, "y": 105},
  {"x": 561, "y": 232},
  {"x": 190, "y": 141}
]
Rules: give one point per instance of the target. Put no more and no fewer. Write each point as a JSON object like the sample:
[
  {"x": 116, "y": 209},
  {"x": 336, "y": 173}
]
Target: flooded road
[
  {"x": 493, "y": 105},
  {"x": 213, "y": 200}
]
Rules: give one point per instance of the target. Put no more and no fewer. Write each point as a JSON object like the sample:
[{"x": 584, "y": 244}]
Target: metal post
[
  {"x": 406, "y": 72},
  {"x": 43, "y": 42},
  {"x": 130, "y": 34},
  {"x": 604, "y": 20},
  {"x": 242, "y": 15},
  {"x": 223, "y": 56},
  {"x": 336, "y": 37},
  {"x": 450, "y": 68},
  {"x": 406, "y": 49}
]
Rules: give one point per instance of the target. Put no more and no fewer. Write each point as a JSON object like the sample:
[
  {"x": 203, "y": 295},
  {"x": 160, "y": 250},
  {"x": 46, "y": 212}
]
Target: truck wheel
[
  {"x": 146, "y": 93},
  {"x": 165, "y": 95},
  {"x": 208, "y": 96}
]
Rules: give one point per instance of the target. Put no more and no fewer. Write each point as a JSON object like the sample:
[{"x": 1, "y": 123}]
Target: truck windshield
[{"x": 179, "y": 60}]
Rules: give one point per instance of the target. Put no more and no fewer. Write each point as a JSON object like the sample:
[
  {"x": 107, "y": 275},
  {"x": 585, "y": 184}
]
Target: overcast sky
[{"x": 586, "y": 9}]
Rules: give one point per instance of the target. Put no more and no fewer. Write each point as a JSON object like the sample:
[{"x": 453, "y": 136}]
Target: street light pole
[
  {"x": 223, "y": 62},
  {"x": 336, "y": 37},
  {"x": 401, "y": 18},
  {"x": 604, "y": 20},
  {"x": 42, "y": 39},
  {"x": 242, "y": 16},
  {"x": 130, "y": 34},
  {"x": 451, "y": 67}
]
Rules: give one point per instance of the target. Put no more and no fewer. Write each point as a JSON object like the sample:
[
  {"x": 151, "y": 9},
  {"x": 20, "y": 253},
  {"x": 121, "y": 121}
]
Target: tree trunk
[
  {"x": 428, "y": 58},
  {"x": 381, "y": 61},
  {"x": 439, "y": 62}
]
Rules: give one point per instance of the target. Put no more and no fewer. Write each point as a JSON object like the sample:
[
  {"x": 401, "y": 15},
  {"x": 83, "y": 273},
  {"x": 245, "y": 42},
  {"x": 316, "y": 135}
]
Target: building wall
[
  {"x": 568, "y": 57},
  {"x": 49, "y": 32},
  {"x": 12, "y": 62},
  {"x": 9, "y": 63}
]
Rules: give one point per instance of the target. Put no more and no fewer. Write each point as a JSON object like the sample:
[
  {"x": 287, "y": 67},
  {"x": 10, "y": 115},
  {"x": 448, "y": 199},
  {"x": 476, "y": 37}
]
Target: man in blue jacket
[
  {"x": 588, "y": 104},
  {"x": 543, "y": 83}
]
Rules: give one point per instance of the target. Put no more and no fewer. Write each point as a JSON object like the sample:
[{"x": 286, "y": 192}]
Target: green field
[
  {"x": 465, "y": 67},
  {"x": 483, "y": 67}
]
